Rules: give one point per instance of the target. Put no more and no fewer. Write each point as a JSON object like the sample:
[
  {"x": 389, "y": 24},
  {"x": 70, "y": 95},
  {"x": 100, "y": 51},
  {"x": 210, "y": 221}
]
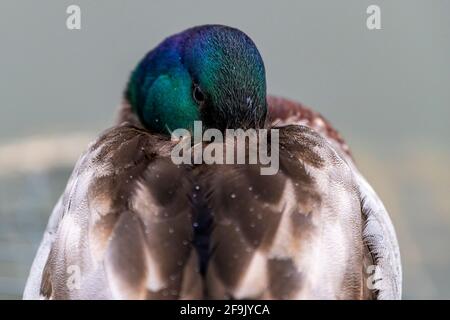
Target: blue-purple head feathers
[{"x": 211, "y": 73}]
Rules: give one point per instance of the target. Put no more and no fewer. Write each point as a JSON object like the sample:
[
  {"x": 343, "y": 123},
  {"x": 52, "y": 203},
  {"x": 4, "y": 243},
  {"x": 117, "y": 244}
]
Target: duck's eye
[{"x": 198, "y": 95}]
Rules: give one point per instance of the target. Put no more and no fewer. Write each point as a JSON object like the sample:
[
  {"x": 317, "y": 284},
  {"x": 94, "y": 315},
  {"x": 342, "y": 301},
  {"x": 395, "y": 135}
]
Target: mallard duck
[{"x": 133, "y": 225}]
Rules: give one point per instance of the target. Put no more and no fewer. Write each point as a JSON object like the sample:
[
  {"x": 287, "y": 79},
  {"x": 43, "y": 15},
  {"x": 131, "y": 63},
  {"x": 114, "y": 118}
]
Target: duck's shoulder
[
  {"x": 116, "y": 208},
  {"x": 326, "y": 160},
  {"x": 284, "y": 112}
]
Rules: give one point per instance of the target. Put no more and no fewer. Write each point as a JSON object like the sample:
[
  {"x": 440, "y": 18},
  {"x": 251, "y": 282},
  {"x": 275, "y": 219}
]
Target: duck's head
[{"x": 211, "y": 73}]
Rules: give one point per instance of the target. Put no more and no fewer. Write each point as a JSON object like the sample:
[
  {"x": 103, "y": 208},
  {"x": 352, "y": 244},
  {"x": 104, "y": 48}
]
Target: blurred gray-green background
[{"x": 387, "y": 91}]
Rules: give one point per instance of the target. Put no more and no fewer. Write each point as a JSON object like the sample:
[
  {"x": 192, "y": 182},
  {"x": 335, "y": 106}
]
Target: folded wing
[
  {"x": 122, "y": 228},
  {"x": 296, "y": 234},
  {"x": 382, "y": 263}
]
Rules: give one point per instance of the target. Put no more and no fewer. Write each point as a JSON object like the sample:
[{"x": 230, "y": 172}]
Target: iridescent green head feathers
[{"x": 211, "y": 73}]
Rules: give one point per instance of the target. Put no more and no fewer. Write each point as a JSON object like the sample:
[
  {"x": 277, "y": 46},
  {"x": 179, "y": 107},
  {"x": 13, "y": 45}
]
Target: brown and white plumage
[
  {"x": 133, "y": 225},
  {"x": 281, "y": 237},
  {"x": 309, "y": 232},
  {"x": 125, "y": 221},
  {"x": 381, "y": 258},
  {"x": 128, "y": 220}
]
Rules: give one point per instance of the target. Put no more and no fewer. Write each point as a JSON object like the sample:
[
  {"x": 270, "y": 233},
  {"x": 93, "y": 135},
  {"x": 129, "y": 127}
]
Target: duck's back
[
  {"x": 293, "y": 235},
  {"x": 131, "y": 224}
]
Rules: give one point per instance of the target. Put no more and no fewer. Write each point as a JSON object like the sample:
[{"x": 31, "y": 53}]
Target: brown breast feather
[{"x": 284, "y": 111}]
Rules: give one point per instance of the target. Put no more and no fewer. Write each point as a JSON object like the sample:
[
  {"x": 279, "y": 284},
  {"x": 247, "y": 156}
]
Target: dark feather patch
[{"x": 285, "y": 281}]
